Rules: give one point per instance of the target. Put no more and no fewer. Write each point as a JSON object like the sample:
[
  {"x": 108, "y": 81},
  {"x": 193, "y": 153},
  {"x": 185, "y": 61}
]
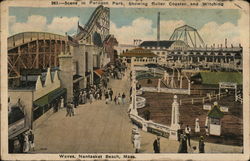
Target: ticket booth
[{"x": 214, "y": 120}]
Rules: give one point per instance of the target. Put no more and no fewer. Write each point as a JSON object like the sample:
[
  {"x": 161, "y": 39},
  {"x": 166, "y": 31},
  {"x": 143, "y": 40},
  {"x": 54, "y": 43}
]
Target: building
[
  {"x": 122, "y": 48},
  {"x": 33, "y": 50},
  {"x": 91, "y": 48},
  {"x": 162, "y": 48},
  {"x": 185, "y": 51},
  {"x": 139, "y": 56},
  {"x": 37, "y": 94},
  {"x": 109, "y": 43},
  {"x": 207, "y": 58}
]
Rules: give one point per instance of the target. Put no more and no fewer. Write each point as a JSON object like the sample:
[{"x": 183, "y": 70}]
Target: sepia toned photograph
[{"x": 112, "y": 80}]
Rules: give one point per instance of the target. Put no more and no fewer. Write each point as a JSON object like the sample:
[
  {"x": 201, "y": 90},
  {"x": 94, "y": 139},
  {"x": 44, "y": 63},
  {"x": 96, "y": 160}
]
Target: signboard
[
  {"x": 215, "y": 130},
  {"x": 206, "y": 107},
  {"x": 158, "y": 132},
  {"x": 224, "y": 109},
  {"x": 228, "y": 85}
]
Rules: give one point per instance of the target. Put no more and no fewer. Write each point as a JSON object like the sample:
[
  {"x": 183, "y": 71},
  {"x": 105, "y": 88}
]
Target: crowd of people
[
  {"x": 184, "y": 136},
  {"x": 24, "y": 143},
  {"x": 99, "y": 91}
]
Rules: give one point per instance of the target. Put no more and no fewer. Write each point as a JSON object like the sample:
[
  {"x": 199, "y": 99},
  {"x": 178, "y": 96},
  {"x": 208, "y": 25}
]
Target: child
[{"x": 194, "y": 149}]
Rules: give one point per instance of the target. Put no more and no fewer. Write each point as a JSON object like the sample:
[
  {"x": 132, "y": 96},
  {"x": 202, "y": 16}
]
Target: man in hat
[
  {"x": 156, "y": 145},
  {"x": 31, "y": 140},
  {"x": 187, "y": 131},
  {"x": 201, "y": 145}
]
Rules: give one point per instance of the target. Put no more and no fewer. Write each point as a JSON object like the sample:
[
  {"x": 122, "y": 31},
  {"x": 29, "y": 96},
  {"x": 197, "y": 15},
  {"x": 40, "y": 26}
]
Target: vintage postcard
[{"x": 124, "y": 80}]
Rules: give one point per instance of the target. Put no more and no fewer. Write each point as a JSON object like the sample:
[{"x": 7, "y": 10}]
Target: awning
[
  {"x": 49, "y": 97},
  {"x": 99, "y": 72},
  {"x": 18, "y": 132},
  {"x": 77, "y": 78}
]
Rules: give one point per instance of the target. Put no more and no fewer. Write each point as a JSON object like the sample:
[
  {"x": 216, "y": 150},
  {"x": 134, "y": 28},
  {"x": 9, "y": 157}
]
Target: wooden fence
[{"x": 202, "y": 99}]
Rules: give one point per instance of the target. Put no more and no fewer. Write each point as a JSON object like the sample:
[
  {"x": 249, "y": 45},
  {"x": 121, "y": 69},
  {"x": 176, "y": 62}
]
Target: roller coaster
[{"x": 40, "y": 50}]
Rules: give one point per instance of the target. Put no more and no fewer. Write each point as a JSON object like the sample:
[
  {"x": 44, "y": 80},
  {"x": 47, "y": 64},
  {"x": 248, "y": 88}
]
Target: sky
[{"x": 126, "y": 24}]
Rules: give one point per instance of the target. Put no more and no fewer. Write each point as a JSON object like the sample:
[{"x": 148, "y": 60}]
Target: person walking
[
  {"x": 111, "y": 94},
  {"x": 156, "y": 145},
  {"x": 26, "y": 143},
  {"x": 31, "y": 140},
  {"x": 68, "y": 110},
  {"x": 137, "y": 142},
  {"x": 183, "y": 144},
  {"x": 187, "y": 131},
  {"x": 80, "y": 97},
  {"x": 75, "y": 101},
  {"x": 72, "y": 109},
  {"x": 115, "y": 100},
  {"x": 201, "y": 145},
  {"x": 62, "y": 103},
  {"x": 133, "y": 132},
  {"x": 123, "y": 98},
  {"x": 83, "y": 97},
  {"x": 91, "y": 98},
  {"x": 106, "y": 97},
  {"x": 100, "y": 94},
  {"x": 119, "y": 98}
]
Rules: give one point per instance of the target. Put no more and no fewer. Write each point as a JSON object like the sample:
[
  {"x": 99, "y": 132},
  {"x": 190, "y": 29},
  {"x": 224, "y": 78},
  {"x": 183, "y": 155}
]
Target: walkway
[
  {"x": 96, "y": 127},
  {"x": 99, "y": 127}
]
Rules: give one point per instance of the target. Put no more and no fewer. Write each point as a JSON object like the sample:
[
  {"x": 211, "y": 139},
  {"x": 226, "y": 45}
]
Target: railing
[
  {"x": 156, "y": 70},
  {"x": 138, "y": 92},
  {"x": 166, "y": 90},
  {"x": 138, "y": 68},
  {"x": 239, "y": 98},
  {"x": 201, "y": 99},
  {"x": 150, "y": 126},
  {"x": 140, "y": 102},
  {"x": 158, "y": 126}
]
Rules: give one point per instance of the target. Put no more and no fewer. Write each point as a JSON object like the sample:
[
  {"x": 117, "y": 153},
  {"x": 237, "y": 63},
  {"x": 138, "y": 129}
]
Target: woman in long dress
[
  {"x": 62, "y": 102},
  {"x": 137, "y": 142},
  {"x": 91, "y": 98},
  {"x": 119, "y": 99},
  {"x": 26, "y": 143}
]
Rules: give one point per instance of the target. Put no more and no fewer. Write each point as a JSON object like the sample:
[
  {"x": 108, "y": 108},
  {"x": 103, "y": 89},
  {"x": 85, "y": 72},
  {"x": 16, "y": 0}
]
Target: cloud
[
  {"x": 213, "y": 33},
  {"x": 167, "y": 28},
  {"x": 33, "y": 23},
  {"x": 142, "y": 28},
  {"x": 58, "y": 25},
  {"x": 62, "y": 25}
]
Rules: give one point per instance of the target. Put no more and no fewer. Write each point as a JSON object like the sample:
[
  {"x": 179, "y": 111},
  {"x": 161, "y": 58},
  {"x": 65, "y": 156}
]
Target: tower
[
  {"x": 158, "y": 29},
  {"x": 66, "y": 73}
]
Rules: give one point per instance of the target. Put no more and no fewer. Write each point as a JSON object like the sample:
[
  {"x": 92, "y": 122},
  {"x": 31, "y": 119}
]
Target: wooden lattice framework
[{"x": 33, "y": 50}]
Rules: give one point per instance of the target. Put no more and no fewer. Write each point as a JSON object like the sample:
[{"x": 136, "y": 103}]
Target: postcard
[{"x": 124, "y": 80}]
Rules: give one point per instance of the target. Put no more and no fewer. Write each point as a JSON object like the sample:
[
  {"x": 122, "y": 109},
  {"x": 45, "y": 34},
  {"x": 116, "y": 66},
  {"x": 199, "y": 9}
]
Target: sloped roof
[
  {"x": 165, "y": 43},
  {"x": 139, "y": 52},
  {"x": 217, "y": 77},
  {"x": 215, "y": 112},
  {"x": 99, "y": 72}
]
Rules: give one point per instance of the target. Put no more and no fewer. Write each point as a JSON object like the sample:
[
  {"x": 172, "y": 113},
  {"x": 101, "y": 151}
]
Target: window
[
  {"x": 15, "y": 115},
  {"x": 215, "y": 121}
]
